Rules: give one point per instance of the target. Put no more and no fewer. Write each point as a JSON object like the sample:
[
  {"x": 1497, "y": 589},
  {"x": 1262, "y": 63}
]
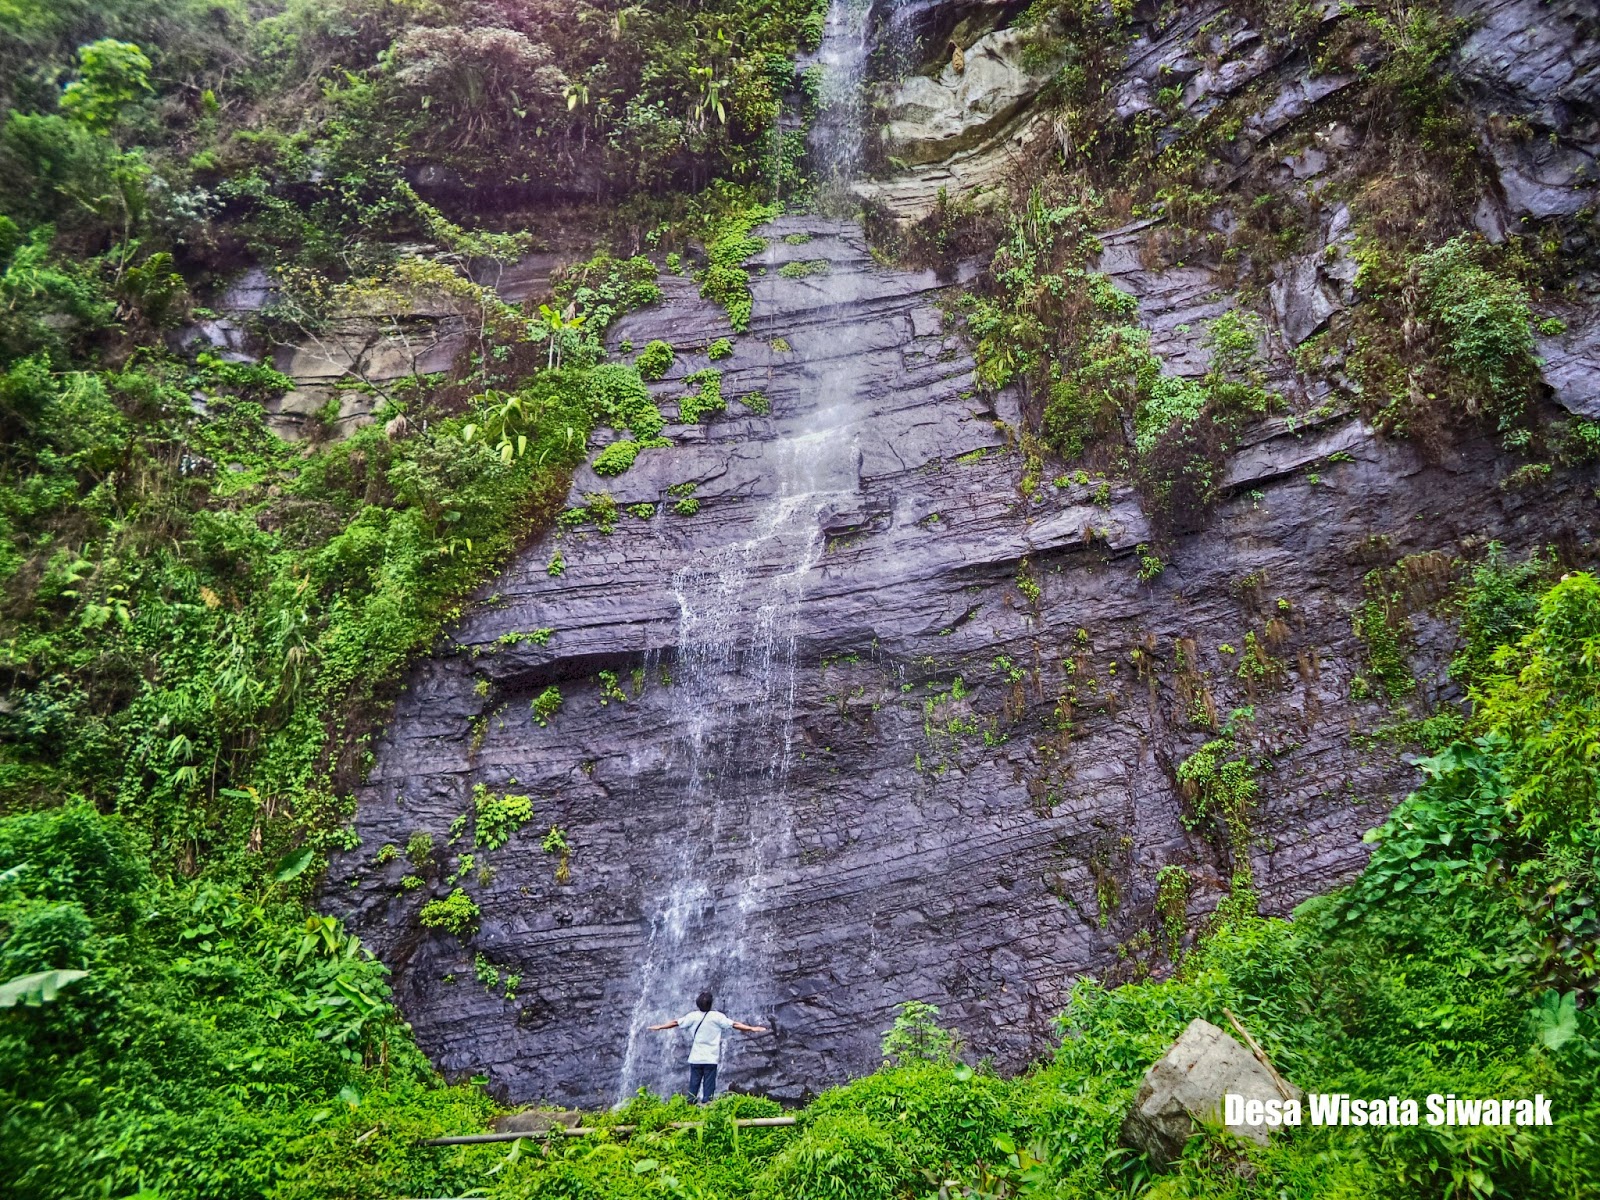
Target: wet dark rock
[
  {"x": 793, "y": 802},
  {"x": 1571, "y": 363},
  {"x": 1533, "y": 69}
]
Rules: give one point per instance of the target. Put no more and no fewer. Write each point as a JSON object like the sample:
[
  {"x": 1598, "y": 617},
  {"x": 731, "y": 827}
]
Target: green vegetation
[
  {"x": 654, "y": 360},
  {"x": 457, "y": 913},
  {"x": 619, "y": 399},
  {"x": 683, "y": 497},
  {"x": 805, "y": 269},
  {"x": 1381, "y": 623},
  {"x": 1069, "y": 333},
  {"x": 725, "y": 280},
  {"x": 546, "y": 704},
  {"x": 719, "y": 349},
  {"x": 706, "y": 400},
  {"x": 497, "y": 817},
  {"x": 1221, "y": 788},
  {"x": 619, "y": 456}
]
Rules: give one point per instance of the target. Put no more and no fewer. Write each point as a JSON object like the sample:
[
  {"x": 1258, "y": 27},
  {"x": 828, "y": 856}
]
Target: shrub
[
  {"x": 621, "y": 401},
  {"x": 457, "y": 913},
  {"x": 654, "y": 360},
  {"x": 1218, "y": 785},
  {"x": 724, "y": 279},
  {"x": 841, "y": 1154},
  {"x": 1486, "y": 324},
  {"x": 616, "y": 458},
  {"x": 916, "y": 1037},
  {"x": 546, "y": 704}
]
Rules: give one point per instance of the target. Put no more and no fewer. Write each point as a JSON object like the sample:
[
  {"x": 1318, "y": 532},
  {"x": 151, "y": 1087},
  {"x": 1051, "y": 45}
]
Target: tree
[{"x": 111, "y": 76}]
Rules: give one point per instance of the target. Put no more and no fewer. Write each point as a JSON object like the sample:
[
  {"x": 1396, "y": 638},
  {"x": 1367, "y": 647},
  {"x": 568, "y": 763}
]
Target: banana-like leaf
[{"x": 36, "y": 990}]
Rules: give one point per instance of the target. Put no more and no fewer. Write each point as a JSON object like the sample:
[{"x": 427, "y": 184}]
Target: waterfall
[
  {"x": 737, "y": 640},
  {"x": 738, "y": 627},
  {"x": 838, "y": 135}
]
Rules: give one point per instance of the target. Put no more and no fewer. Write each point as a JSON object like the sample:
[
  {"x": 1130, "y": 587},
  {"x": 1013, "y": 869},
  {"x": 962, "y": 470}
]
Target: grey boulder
[{"x": 1186, "y": 1087}]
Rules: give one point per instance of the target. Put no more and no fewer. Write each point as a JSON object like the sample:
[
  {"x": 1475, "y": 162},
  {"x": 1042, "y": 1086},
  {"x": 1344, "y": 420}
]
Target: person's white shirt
[{"x": 705, "y": 1035}]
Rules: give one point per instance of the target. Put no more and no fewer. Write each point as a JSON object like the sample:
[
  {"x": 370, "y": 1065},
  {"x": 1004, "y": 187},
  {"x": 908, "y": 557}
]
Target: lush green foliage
[
  {"x": 221, "y": 1043},
  {"x": 200, "y": 623}
]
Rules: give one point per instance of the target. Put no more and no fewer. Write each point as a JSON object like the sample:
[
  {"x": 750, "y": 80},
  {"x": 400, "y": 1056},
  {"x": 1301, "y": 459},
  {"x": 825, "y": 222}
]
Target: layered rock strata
[{"x": 855, "y": 719}]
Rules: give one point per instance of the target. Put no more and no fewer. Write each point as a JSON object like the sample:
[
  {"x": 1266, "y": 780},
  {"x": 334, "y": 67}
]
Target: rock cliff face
[{"x": 848, "y": 717}]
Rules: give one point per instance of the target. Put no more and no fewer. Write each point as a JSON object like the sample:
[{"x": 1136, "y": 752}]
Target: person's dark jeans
[{"x": 702, "y": 1074}]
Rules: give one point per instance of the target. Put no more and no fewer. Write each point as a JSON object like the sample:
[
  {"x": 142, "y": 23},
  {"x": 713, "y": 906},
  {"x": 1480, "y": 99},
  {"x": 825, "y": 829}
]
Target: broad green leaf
[
  {"x": 35, "y": 990},
  {"x": 1556, "y": 1017},
  {"x": 292, "y": 864}
]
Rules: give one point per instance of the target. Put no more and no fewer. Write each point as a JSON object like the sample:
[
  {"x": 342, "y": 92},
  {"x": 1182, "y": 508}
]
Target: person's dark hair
[{"x": 703, "y": 1001}]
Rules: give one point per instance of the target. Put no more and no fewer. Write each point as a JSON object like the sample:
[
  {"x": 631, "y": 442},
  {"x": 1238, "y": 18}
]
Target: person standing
[{"x": 706, "y": 1026}]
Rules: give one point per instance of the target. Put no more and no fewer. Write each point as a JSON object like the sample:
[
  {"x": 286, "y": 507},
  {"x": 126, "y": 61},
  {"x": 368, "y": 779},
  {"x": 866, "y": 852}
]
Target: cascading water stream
[
  {"x": 739, "y": 613},
  {"x": 838, "y": 135}
]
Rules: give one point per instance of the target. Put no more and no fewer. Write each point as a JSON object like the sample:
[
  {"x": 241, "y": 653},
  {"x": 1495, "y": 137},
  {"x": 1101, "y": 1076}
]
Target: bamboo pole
[
  {"x": 1261, "y": 1055},
  {"x": 478, "y": 1139}
]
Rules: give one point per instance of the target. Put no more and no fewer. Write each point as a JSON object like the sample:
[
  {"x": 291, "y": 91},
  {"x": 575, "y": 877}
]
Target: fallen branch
[{"x": 1261, "y": 1055}]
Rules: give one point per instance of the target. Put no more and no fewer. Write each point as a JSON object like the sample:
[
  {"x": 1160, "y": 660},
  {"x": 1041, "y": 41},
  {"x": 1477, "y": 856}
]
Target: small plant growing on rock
[
  {"x": 806, "y": 269},
  {"x": 1172, "y": 903},
  {"x": 655, "y": 360},
  {"x": 555, "y": 842},
  {"x": 917, "y": 1037},
  {"x": 419, "y": 849},
  {"x": 705, "y": 401},
  {"x": 720, "y": 349},
  {"x": 386, "y": 854},
  {"x": 497, "y": 818},
  {"x": 602, "y": 510},
  {"x": 1257, "y": 664},
  {"x": 611, "y": 688},
  {"x": 757, "y": 403},
  {"x": 1218, "y": 784},
  {"x": 683, "y": 494},
  {"x": 1150, "y": 567},
  {"x": 617, "y": 457},
  {"x": 724, "y": 279},
  {"x": 463, "y": 868},
  {"x": 557, "y": 566},
  {"x": 1027, "y": 584},
  {"x": 457, "y": 913},
  {"x": 546, "y": 704},
  {"x": 487, "y": 973},
  {"x": 619, "y": 399}
]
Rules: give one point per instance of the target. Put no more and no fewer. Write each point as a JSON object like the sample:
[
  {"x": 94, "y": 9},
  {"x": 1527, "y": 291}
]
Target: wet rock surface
[
  {"x": 1533, "y": 68},
  {"x": 872, "y": 724}
]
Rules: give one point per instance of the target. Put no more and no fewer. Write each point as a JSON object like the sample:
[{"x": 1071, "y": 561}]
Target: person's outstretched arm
[
  {"x": 739, "y": 1025},
  {"x": 668, "y": 1025}
]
